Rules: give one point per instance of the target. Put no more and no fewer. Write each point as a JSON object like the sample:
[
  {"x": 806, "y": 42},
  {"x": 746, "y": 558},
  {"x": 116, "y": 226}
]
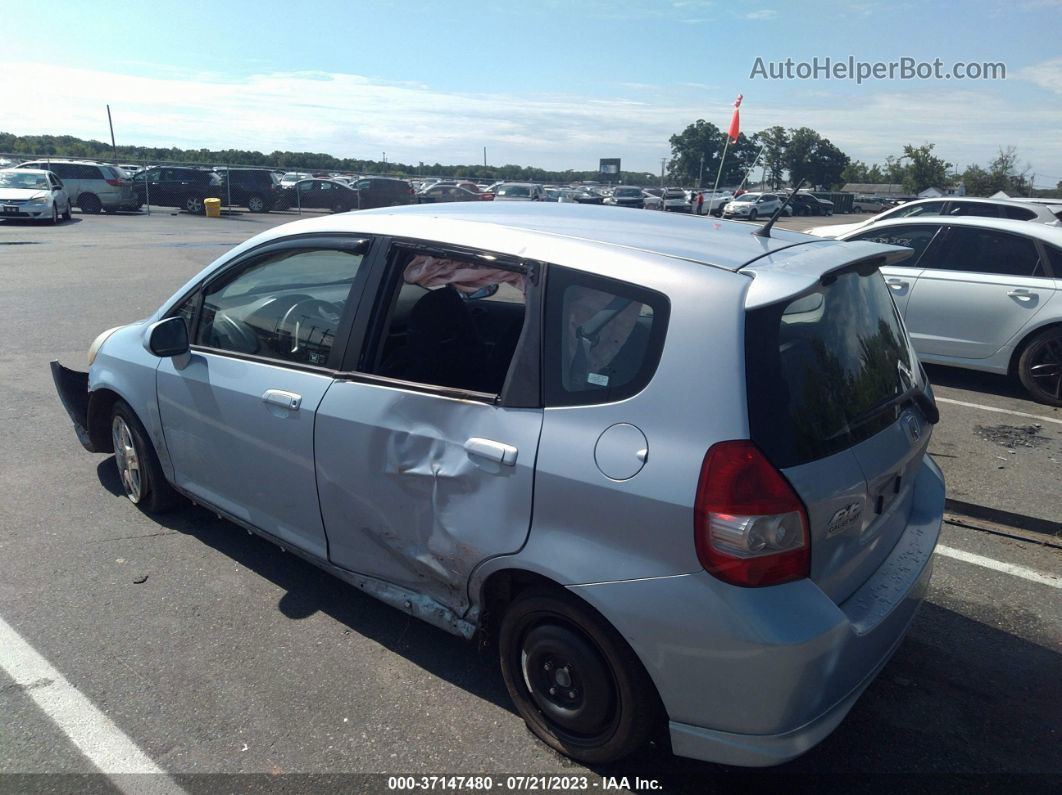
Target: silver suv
[
  {"x": 92, "y": 187},
  {"x": 675, "y": 473}
]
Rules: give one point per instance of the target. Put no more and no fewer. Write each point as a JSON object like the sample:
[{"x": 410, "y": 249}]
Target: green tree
[
  {"x": 774, "y": 141},
  {"x": 814, "y": 159},
  {"x": 924, "y": 169},
  {"x": 704, "y": 140}
]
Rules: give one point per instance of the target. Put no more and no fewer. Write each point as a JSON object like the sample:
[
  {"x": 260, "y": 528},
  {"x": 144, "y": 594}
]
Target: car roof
[
  {"x": 1046, "y": 232},
  {"x": 26, "y": 170},
  {"x": 513, "y": 227}
]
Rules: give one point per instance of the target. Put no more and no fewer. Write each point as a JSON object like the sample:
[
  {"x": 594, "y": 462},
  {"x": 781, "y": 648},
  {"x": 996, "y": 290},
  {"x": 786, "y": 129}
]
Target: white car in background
[
  {"x": 519, "y": 192},
  {"x": 750, "y": 206},
  {"x": 34, "y": 194},
  {"x": 956, "y": 207},
  {"x": 980, "y": 293},
  {"x": 713, "y": 203}
]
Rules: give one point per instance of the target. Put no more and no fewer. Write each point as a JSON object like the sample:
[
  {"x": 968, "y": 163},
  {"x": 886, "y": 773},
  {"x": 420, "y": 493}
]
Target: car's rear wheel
[
  {"x": 89, "y": 203},
  {"x": 256, "y": 204},
  {"x": 138, "y": 466},
  {"x": 339, "y": 207},
  {"x": 194, "y": 205},
  {"x": 575, "y": 682},
  {"x": 1040, "y": 366}
]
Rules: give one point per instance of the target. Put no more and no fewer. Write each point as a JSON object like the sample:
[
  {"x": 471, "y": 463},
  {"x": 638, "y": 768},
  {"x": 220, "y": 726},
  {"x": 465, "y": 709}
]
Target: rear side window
[
  {"x": 603, "y": 338},
  {"x": 916, "y": 237},
  {"x": 908, "y": 210},
  {"x": 822, "y": 369},
  {"x": 987, "y": 251},
  {"x": 1018, "y": 213},
  {"x": 980, "y": 209}
]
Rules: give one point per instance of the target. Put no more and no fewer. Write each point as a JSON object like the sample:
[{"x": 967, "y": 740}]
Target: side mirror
[
  {"x": 482, "y": 292},
  {"x": 168, "y": 337}
]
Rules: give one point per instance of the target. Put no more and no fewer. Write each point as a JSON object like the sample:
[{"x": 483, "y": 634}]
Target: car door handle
[
  {"x": 286, "y": 400},
  {"x": 504, "y": 454},
  {"x": 1021, "y": 295},
  {"x": 897, "y": 284}
]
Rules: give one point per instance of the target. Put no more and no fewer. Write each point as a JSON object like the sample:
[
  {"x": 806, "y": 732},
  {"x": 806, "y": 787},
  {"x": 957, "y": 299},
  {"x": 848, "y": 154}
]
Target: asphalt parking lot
[{"x": 214, "y": 652}]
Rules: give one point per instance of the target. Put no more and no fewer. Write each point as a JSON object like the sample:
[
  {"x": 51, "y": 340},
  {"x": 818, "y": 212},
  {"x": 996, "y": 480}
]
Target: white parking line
[
  {"x": 90, "y": 730},
  {"x": 998, "y": 411},
  {"x": 998, "y": 565}
]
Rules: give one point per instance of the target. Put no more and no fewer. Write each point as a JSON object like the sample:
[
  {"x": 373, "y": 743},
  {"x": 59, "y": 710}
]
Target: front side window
[
  {"x": 916, "y": 237},
  {"x": 603, "y": 338},
  {"x": 287, "y": 306},
  {"x": 909, "y": 210},
  {"x": 987, "y": 251}
]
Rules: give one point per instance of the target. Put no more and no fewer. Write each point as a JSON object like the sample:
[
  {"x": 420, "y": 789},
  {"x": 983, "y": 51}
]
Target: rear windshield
[
  {"x": 514, "y": 190},
  {"x": 823, "y": 370}
]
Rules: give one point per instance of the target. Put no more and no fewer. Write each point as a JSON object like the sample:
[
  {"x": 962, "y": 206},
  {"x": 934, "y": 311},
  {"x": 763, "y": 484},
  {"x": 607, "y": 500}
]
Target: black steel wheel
[
  {"x": 1040, "y": 366},
  {"x": 575, "y": 682}
]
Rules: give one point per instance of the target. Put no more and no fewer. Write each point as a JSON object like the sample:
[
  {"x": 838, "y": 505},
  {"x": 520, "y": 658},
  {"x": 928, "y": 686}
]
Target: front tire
[
  {"x": 574, "y": 680},
  {"x": 1040, "y": 367},
  {"x": 256, "y": 204},
  {"x": 753, "y": 215},
  {"x": 139, "y": 470},
  {"x": 194, "y": 205},
  {"x": 66, "y": 213},
  {"x": 55, "y": 214}
]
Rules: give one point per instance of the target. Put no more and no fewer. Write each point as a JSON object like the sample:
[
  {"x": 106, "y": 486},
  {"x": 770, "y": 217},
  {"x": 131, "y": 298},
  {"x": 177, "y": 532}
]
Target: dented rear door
[{"x": 418, "y": 488}]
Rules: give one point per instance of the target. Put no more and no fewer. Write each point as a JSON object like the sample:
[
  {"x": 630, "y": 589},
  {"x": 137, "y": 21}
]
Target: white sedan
[{"x": 34, "y": 194}]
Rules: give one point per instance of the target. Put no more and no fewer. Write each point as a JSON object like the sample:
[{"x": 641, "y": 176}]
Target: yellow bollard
[{"x": 212, "y": 207}]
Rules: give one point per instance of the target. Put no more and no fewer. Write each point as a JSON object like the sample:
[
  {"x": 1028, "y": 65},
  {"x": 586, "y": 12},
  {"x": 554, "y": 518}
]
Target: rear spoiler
[{"x": 790, "y": 271}]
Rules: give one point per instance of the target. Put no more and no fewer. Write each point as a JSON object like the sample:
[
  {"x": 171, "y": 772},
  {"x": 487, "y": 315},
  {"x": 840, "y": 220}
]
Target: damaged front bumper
[{"x": 72, "y": 386}]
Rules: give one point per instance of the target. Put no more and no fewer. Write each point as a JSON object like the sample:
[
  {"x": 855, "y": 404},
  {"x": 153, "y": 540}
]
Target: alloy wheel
[
  {"x": 127, "y": 459},
  {"x": 1046, "y": 368}
]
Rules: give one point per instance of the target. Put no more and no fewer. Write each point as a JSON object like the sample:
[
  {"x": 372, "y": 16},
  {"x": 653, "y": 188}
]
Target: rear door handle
[
  {"x": 1021, "y": 294},
  {"x": 286, "y": 400},
  {"x": 897, "y": 284},
  {"x": 504, "y": 454}
]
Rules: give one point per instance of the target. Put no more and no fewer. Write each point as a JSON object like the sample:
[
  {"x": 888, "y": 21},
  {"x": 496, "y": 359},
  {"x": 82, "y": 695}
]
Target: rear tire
[
  {"x": 89, "y": 204},
  {"x": 574, "y": 680},
  {"x": 194, "y": 205},
  {"x": 1040, "y": 367},
  {"x": 139, "y": 470}
]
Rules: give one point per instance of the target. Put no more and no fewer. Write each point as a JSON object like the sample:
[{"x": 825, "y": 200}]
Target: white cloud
[
  {"x": 350, "y": 115},
  {"x": 764, "y": 13},
  {"x": 1046, "y": 75}
]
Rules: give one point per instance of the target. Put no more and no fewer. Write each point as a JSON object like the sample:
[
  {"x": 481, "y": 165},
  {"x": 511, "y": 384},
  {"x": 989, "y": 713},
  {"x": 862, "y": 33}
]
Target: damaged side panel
[{"x": 417, "y": 489}]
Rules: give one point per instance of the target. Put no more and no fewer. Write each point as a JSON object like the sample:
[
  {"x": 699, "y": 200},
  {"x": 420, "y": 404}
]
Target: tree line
[
  {"x": 790, "y": 155},
  {"x": 70, "y": 146}
]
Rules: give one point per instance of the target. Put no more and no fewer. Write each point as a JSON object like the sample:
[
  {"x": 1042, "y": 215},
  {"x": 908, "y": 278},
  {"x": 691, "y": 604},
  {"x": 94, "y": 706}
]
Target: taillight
[
  {"x": 487, "y": 197},
  {"x": 750, "y": 527},
  {"x": 116, "y": 183}
]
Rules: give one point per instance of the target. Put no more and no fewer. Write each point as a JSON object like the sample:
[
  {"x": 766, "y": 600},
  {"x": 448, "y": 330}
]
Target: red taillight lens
[
  {"x": 750, "y": 527},
  {"x": 116, "y": 183},
  {"x": 487, "y": 197}
]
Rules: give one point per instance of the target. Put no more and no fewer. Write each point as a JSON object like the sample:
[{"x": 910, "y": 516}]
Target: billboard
[{"x": 609, "y": 168}]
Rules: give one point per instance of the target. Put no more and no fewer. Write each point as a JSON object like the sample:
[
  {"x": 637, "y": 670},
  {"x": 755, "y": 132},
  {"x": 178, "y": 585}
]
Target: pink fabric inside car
[{"x": 431, "y": 272}]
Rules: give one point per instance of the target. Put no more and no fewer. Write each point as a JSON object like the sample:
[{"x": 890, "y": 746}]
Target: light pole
[
  {"x": 662, "y": 161},
  {"x": 700, "y": 176}
]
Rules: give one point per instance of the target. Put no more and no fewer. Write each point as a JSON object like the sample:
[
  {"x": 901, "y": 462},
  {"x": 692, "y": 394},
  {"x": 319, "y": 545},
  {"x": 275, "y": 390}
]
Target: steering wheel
[
  {"x": 309, "y": 312},
  {"x": 238, "y": 335}
]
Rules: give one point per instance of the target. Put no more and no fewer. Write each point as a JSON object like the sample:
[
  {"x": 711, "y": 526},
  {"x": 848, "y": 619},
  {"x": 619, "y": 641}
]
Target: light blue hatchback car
[{"x": 674, "y": 470}]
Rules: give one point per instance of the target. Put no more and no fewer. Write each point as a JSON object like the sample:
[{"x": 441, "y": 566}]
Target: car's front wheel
[
  {"x": 138, "y": 466},
  {"x": 66, "y": 212},
  {"x": 574, "y": 680},
  {"x": 256, "y": 204},
  {"x": 194, "y": 205},
  {"x": 752, "y": 215},
  {"x": 1040, "y": 366},
  {"x": 55, "y": 214}
]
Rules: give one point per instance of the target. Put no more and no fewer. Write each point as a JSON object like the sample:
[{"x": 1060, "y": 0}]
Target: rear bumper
[
  {"x": 72, "y": 386},
  {"x": 758, "y": 676}
]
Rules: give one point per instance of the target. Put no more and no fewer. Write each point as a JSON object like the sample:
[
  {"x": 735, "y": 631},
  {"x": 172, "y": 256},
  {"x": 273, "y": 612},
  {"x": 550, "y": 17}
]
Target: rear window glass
[
  {"x": 603, "y": 338},
  {"x": 915, "y": 237},
  {"x": 822, "y": 369},
  {"x": 1018, "y": 213}
]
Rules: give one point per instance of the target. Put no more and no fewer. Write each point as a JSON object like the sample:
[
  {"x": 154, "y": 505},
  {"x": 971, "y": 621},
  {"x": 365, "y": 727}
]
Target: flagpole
[{"x": 722, "y": 160}]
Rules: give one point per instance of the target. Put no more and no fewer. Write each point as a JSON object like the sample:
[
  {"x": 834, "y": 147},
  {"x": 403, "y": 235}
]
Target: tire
[
  {"x": 753, "y": 215},
  {"x": 194, "y": 205},
  {"x": 1040, "y": 366},
  {"x": 257, "y": 204},
  {"x": 67, "y": 213},
  {"x": 55, "y": 214},
  {"x": 141, "y": 475},
  {"x": 606, "y": 707},
  {"x": 89, "y": 204},
  {"x": 339, "y": 207}
]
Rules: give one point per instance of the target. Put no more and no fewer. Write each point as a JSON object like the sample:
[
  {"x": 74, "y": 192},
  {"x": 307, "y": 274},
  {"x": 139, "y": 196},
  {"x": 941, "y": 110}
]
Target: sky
[{"x": 550, "y": 83}]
